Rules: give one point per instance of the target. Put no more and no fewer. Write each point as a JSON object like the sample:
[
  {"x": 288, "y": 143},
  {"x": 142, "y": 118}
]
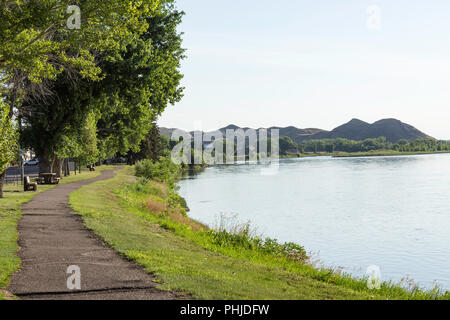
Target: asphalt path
[{"x": 52, "y": 238}]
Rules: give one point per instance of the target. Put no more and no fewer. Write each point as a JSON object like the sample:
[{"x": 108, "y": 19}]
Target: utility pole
[{"x": 22, "y": 174}]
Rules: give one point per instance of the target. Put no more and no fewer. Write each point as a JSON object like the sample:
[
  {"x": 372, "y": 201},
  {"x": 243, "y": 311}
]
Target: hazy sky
[{"x": 320, "y": 63}]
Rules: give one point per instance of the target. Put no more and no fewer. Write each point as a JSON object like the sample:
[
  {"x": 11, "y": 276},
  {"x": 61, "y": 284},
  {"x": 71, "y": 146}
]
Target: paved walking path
[{"x": 52, "y": 238}]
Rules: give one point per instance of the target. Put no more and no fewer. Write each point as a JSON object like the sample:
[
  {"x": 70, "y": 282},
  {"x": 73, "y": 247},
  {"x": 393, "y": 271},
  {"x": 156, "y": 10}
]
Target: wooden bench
[
  {"x": 28, "y": 185},
  {"x": 48, "y": 178}
]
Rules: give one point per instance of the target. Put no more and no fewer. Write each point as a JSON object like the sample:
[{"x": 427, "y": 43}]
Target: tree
[
  {"x": 49, "y": 126},
  {"x": 141, "y": 82},
  {"x": 8, "y": 142},
  {"x": 286, "y": 145},
  {"x": 36, "y": 44},
  {"x": 166, "y": 145},
  {"x": 81, "y": 144},
  {"x": 141, "y": 78},
  {"x": 35, "y": 37},
  {"x": 150, "y": 148}
]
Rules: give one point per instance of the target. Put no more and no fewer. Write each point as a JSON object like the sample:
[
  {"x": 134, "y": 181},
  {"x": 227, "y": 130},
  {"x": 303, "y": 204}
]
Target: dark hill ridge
[
  {"x": 353, "y": 130},
  {"x": 292, "y": 132},
  {"x": 393, "y": 129}
]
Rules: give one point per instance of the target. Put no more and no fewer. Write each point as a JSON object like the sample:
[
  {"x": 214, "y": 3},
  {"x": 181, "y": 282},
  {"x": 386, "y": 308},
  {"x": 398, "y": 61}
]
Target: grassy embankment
[
  {"x": 140, "y": 221},
  {"x": 10, "y": 214}
]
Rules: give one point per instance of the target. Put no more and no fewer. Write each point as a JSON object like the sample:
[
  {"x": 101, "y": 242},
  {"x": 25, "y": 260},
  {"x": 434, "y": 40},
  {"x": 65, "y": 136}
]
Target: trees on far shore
[{"x": 345, "y": 145}]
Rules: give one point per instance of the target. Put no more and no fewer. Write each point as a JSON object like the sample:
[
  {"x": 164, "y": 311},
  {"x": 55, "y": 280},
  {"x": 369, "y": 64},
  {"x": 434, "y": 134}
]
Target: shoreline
[
  {"x": 380, "y": 153},
  {"x": 386, "y": 154}
]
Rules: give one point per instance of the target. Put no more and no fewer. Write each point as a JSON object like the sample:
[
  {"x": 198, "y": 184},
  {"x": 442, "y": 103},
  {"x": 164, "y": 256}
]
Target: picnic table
[{"x": 48, "y": 178}]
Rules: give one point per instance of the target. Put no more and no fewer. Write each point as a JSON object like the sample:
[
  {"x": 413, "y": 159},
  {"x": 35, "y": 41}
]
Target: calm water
[{"x": 393, "y": 212}]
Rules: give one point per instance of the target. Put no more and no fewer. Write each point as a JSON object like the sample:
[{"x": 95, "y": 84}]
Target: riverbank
[
  {"x": 138, "y": 220},
  {"x": 383, "y": 153},
  {"x": 376, "y": 153},
  {"x": 10, "y": 213},
  {"x": 302, "y": 155}
]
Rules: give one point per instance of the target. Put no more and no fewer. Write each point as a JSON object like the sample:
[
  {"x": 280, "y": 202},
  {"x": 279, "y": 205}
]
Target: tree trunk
[
  {"x": 2, "y": 180},
  {"x": 66, "y": 168},
  {"x": 58, "y": 167},
  {"x": 45, "y": 163}
]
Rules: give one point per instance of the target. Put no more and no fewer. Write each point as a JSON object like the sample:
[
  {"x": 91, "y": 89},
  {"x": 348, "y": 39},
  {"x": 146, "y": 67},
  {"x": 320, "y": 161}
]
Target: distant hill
[
  {"x": 294, "y": 133},
  {"x": 394, "y": 130}
]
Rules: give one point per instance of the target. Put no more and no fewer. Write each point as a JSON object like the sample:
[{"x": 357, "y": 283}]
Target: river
[{"x": 350, "y": 213}]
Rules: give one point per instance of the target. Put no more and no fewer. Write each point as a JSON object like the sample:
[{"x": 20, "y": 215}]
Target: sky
[{"x": 314, "y": 64}]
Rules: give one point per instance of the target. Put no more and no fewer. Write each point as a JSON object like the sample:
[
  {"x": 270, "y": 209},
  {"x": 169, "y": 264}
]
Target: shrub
[
  {"x": 163, "y": 170},
  {"x": 243, "y": 239}
]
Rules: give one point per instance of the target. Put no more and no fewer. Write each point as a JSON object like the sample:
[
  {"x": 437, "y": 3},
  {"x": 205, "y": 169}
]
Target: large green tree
[
  {"x": 141, "y": 77},
  {"x": 287, "y": 145},
  {"x": 36, "y": 36},
  {"x": 151, "y": 147},
  {"x": 50, "y": 127},
  {"x": 141, "y": 82},
  {"x": 38, "y": 42}
]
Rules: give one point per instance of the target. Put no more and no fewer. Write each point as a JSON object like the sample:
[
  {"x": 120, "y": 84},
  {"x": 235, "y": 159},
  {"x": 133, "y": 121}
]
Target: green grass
[
  {"x": 84, "y": 175},
  {"x": 10, "y": 214},
  {"x": 185, "y": 256},
  {"x": 4, "y": 295}
]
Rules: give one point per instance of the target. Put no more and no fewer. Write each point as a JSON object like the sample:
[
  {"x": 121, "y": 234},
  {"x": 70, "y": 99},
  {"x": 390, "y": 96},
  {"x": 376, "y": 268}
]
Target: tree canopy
[
  {"x": 35, "y": 38},
  {"x": 345, "y": 145},
  {"x": 141, "y": 77},
  {"x": 91, "y": 91}
]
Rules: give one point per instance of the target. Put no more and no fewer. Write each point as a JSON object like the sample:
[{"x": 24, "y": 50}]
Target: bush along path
[{"x": 62, "y": 260}]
